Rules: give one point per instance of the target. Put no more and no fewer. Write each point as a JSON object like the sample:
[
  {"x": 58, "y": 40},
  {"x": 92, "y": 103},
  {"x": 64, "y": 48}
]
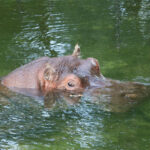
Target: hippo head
[
  {"x": 66, "y": 73},
  {"x": 70, "y": 72}
]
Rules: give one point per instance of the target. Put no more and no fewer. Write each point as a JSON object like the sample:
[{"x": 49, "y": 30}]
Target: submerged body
[{"x": 74, "y": 75}]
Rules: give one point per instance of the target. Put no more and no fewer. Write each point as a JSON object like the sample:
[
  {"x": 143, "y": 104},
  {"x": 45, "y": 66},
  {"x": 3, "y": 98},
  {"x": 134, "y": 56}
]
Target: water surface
[{"x": 114, "y": 32}]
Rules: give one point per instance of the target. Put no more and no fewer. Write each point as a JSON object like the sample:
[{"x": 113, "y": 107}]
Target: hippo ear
[
  {"x": 76, "y": 51},
  {"x": 49, "y": 72},
  {"x": 95, "y": 66}
]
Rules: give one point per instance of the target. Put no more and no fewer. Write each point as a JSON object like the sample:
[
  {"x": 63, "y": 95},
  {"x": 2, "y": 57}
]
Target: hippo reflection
[
  {"x": 118, "y": 97},
  {"x": 70, "y": 74}
]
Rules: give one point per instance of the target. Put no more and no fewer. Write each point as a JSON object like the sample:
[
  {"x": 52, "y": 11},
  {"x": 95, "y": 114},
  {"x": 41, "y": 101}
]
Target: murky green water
[{"x": 117, "y": 33}]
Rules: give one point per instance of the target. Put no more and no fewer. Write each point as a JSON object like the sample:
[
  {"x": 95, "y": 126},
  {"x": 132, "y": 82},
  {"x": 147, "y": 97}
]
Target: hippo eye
[{"x": 70, "y": 84}]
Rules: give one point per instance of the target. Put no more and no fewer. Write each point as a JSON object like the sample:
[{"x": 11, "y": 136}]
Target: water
[{"x": 114, "y": 32}]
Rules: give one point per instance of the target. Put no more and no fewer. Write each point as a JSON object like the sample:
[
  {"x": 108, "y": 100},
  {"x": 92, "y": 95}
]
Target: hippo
[
  {"x": 46, "y": 74},
  {"x": 71, "y": 74}
]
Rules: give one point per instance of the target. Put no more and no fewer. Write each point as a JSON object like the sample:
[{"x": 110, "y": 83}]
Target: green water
[{"x": 117, "y": 33}]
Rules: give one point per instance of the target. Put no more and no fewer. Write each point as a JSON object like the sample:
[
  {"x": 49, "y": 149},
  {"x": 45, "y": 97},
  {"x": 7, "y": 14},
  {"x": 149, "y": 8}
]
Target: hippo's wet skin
[{"x": 70, "y": 74}]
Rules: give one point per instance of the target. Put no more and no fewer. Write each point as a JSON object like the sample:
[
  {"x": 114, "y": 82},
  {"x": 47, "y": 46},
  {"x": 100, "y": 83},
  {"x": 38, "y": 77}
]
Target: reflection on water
[
  {"x": 144, "y": 15},
  {"x": 67, "y": 121},
  {"x": 42, "y": 34},
  {"x": 25, "y": 122},
  {"x": 115, "y": 32}
]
